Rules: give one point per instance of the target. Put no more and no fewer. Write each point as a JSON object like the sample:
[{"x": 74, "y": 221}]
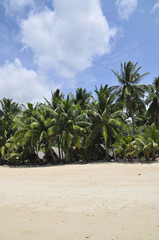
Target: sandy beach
[{"x": 109, "y": 201}]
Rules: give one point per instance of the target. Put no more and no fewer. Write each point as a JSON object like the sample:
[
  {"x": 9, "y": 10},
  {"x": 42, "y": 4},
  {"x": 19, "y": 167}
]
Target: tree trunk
[
  {"x": 52, "y": 155},
  {"x": 59, "y": 148},
  {"x": 147, "y": 157},
  {"x": 51, "y": 151},
  {"x": 46, "y": 150},
  {"x": 133, "y": 122},
  {"x": 153, "y": 156},
  {"x": 62, "y": 151},
  {"x": 112, "y": 148},
  {"x": 106, "y": 152}
]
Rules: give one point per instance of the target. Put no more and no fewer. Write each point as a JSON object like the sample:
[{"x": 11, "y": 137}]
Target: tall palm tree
[
  {"x": 130, "y": 92},
  {"x": 103, "y": 119},
  {"x": 8, "y": 110},
  {"x": 34, "y": 130},
  {"x": 8, "y": 107},
  {"x": 22, "y": 124},
  {"x": 153, "y": 101},
  {"x": 69, "y": 126},
  {"x": 42, "y": 121}
]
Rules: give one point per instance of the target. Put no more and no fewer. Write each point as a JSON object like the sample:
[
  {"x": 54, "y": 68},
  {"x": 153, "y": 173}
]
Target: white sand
[{"x": 77, "y": 202}]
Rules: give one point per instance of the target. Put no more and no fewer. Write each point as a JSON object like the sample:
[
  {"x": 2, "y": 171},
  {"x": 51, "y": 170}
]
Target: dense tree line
[{"x": 120, "y": 122}]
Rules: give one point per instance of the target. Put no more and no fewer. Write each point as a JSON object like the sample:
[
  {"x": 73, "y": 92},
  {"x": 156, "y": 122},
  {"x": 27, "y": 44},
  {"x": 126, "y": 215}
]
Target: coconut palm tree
[
  {"x": 148, "y": 142},
  {"x": 22, "y": 124},
  {"x": 34, "y": 130},
  {"x": 56, "y": 97},
  {"x": 147, "y": 146},
  {"x": 124, "y": 148},
  {"x": 103, "y": 119},
  {"x": 42, "y": 121},
  {"x": 130, "y": 92},
  {"x": 8, "y": 111},
  {"x": 82, "y": 98},
  {"x": 70, "y": 125},
  {"x": 153, "y": 101}
]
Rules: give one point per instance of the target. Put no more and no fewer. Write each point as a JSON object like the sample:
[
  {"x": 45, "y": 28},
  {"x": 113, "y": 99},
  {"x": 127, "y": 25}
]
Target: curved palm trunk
[
  {"x": 107, "y": 152},
  {"x": 51, "y": 151},
  {"x": 52, "y": 155}
]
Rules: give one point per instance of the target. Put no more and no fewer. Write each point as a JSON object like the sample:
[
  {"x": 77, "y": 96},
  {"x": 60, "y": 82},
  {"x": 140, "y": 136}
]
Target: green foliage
[
  {"x": 82, "y": 126},
  {"x": 153, "y": 102},
  {"x": 130, "y": 92},
  {"x": 103, "y": 119},
  {"x": 124, "y": 148}
]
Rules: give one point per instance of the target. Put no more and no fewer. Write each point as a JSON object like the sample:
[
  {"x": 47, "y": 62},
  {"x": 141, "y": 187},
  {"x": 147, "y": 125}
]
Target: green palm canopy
[{"x": 130, "y": 92}]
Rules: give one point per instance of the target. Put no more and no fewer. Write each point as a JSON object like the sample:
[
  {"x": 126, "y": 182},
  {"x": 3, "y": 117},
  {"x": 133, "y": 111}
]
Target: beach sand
[{"x": 106, "y": 201}]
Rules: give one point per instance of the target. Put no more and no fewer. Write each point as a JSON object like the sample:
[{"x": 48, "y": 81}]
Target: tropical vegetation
[{"x": 115, "y": 122}]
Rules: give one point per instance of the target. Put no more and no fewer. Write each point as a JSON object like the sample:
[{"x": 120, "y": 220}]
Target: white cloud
[
  {"x": 16, "y": 6},
  {"x": 20, "y": 84},
  {"x": 69, "y": 38},
  {"x": 155, "y": 7},
  {"x": 126, "y": 7}
]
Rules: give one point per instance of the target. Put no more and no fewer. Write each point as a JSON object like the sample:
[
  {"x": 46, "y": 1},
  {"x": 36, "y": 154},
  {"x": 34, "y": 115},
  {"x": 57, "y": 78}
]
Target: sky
[{"x": 67, "y": 44}]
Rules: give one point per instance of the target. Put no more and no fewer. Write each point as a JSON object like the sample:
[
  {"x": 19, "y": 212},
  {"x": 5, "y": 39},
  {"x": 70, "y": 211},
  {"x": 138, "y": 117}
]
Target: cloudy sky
[{"x": 67, "y": 44}]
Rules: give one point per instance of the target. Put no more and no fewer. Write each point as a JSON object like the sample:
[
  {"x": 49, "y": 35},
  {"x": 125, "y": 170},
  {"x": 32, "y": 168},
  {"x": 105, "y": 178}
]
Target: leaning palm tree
[
  {"x": 130, "y": 92},
  {"x": 153, "y": 101}
]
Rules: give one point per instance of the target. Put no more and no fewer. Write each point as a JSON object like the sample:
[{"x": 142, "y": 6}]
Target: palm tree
[
  {"x": 103, "y": 120},
  {"x": 82, "y": 98},
  {"x": 34, "y": 128},
  {"x": 124, "y": 148},
  {"x": 147, "y": 146},
  {"x": 153, "y": 101},
  {"x": 56, "y": 97},
  {"x": 130, "y": 92},
  {"x": 22, "y": 124},
  {"x": 148, "y": 142},
  {"x": 8, "y": 111},
  {"x": 69, "y": 126},
  {"x": 42, "y": 122}
]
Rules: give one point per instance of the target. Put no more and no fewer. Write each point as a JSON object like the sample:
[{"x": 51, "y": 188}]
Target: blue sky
[{"x": 67, "y": 44}]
